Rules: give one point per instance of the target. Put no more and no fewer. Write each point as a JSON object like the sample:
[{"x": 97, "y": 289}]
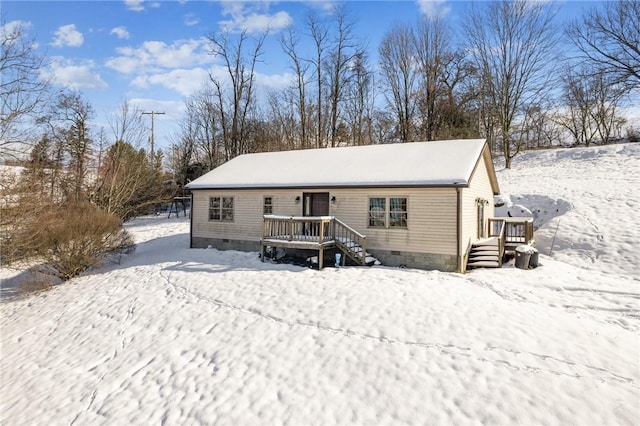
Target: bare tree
[
  {"x": 536, "y": 128},
  {"x": 512, "y": 44},
  {"x": 344, "y": 51},
  {"x": 284, "y": 118},
  {"x": 591, "y": 101},
  {"x": 609, "y": 37},
  {"x": 607, "y": 96},
  {"x": 203, "y": 125},
  {"x": 127, "y": 124},
  {"x": 433, "y": 53},
  {"x": 67, "y": 124},
  {"x": 359, "y": 106},
  {"x": 399, "y": 78},
  {"x": 577, "y": 103},
  {"x": 128, "y": 182},
  {"x": 22, "y": 90},
  {"x": 457, "y": 99},
  {"x": 235, "y": 94},
  {"x": 319, "y": 33},
  {"x": 290, "y": 45}
]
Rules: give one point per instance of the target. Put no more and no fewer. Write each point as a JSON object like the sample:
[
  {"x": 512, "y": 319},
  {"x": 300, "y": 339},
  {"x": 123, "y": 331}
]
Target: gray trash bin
[
  {"x": 523, "y": 256},
  {"x": 533, "y": 262}
]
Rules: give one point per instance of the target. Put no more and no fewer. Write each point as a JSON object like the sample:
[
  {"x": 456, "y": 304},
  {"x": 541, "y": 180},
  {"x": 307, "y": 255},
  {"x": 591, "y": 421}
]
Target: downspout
[
  {"x": 459, "y": 229},
  {"x": 191, "y": 221}
]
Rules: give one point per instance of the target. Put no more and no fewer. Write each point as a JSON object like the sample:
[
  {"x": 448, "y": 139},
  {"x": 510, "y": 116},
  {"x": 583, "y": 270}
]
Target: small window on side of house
[{"x": 267, "y": 206}]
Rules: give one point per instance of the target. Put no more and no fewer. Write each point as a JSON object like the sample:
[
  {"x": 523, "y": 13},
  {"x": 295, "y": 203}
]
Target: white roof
[{"x": 439, "y": 163}]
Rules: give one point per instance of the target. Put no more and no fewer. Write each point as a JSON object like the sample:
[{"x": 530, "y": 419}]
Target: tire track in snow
[{"x": 601, "y": 374}]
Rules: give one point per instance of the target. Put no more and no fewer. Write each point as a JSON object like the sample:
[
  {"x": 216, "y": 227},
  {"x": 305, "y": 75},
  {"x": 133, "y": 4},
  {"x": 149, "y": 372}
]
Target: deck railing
[
  {"x": 497, "y": 230},
  {"x": 350, "y": 241},
  {"x": 316, "y": 229},
  {"x": 517, "y": 230}
]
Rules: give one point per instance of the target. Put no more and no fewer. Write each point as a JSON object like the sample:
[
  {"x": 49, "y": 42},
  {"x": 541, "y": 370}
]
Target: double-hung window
[
  {"x": 267, "y": 206},
  {"x": 398, "y": 212},
  {"x": 377, "y": 212},
  {"x": 388, "y": 212},
  {"x": 221, "y": 209}
]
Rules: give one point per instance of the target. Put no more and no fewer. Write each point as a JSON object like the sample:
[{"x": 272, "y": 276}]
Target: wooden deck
[
  {"x": 321, "y": 233},
  {"x": 314, "y": 233},
  {"x": 517, "y": 231},
  {"x": 505, "y": 234}
]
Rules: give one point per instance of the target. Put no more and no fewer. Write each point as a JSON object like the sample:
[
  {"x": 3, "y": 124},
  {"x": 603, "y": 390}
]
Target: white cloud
[
  {"x": 253, "y": 18},
  {"x": 120, "y": 32},
  {"x": 145, "y": 104},
  {"x": 135, "y": 5},
  {"x": 327, "y": 6},
  {"x": 74, "y": 76},
  {"x": 189, "y": 81},
  {"x": 157, "y": 55},
  {"x": 67, "y": 35},
  {"x": 434, "y": 8},
  {"x": 11, "y": 31},
  {"x": 273, "y": 81},
  {"x": 173, "y": 110},
  {"x": 183, "y": 81},
  {"x": 190, "y": 20},
  {"x": 13, "y": 26}
]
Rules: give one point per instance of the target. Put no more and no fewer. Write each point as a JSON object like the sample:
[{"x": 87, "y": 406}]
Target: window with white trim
[
  {"x": 398, "y": 212},
  {"x": 221, "y": 209},
  {"x": 377, "y": 212},
  {"x": 388, "y": 212},
  {"x": 267, "y": 205}
]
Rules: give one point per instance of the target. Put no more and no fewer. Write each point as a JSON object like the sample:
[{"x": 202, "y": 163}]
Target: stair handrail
[
  {"x": 500, "y": 234},
  {"x": 352, "y": 235}
]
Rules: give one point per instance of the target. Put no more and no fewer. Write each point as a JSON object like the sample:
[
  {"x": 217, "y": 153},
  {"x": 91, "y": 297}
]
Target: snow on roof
[{"x": 439, "y": 163}]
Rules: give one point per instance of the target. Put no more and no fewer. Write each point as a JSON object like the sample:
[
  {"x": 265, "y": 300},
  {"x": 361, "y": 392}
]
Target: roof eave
[{"x": 461, "y": 184}]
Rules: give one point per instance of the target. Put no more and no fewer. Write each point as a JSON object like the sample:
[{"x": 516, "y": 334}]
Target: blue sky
[{"x": 154, "y": 53}]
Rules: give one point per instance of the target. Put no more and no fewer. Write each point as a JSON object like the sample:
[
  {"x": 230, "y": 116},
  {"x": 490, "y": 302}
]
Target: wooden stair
[
  {"x": 354, "y": 251},
  {"x": 485, "y": 254}
]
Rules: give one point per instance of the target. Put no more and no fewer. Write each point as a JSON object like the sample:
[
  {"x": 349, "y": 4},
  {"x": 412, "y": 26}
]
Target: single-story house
[{"x": 420, "y": 204}]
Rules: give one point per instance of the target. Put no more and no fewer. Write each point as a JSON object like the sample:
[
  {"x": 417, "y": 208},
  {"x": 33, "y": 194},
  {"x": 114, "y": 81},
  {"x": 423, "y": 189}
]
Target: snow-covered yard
[{"x": 179, "y": 336}]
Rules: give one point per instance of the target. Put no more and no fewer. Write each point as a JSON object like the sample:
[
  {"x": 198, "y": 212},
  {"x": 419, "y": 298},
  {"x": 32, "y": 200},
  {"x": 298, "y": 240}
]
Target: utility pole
[{"x": 152, "y": 114}]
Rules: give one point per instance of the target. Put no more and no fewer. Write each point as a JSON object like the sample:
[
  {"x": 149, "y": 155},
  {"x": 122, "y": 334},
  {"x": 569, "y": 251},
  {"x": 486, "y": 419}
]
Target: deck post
[
  {"x": 320, "y": 258},
  {"x": 262, "y": 252},
  {"x": 291, "y": 229}
]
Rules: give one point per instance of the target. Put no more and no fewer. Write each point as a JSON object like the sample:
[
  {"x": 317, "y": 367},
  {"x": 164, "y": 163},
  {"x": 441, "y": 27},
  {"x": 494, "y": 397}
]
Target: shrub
[{"x": 73, "y": 238}]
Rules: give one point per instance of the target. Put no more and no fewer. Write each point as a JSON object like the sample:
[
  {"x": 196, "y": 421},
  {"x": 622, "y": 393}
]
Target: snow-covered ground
[{"x": 178, "y": 336}]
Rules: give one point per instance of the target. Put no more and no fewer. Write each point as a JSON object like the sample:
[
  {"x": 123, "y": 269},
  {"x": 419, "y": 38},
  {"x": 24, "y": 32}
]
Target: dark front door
[{"x": 315, "y": 204}]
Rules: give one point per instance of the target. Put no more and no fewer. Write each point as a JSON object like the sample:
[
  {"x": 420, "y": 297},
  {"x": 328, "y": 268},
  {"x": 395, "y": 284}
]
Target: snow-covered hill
[{"x": 179, "y": 336}]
